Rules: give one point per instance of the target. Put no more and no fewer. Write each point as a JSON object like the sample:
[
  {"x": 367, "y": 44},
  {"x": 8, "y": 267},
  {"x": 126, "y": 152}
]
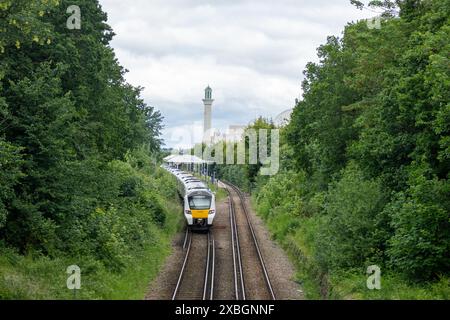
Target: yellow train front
[{"x": 199, "y": 209}]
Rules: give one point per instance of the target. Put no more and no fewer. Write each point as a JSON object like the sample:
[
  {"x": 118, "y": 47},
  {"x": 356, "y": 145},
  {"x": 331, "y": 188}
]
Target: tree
[{"x": 67, "y": 112}]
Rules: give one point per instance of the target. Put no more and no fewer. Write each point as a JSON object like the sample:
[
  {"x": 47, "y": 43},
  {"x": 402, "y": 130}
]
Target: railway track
[
  {"x": 196, "y": 279},
  {"x": 199, "y": 255},
  {"x": 238, "y": 276},
  {"x": 251, "y": 279}
]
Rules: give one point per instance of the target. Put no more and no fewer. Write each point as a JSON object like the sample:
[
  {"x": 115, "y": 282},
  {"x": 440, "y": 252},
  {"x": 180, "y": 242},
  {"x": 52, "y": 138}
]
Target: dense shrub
[
  {"x": 10, "y": 162},
  {"x": 353, "y": 232},
  {"x": 235, "y": 174},
  {"x": 283, "y": 190},
  {"x": 420, "y": 246}
]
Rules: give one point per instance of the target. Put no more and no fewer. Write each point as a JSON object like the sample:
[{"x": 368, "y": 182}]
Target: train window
[{"x": 199, "y": 202}]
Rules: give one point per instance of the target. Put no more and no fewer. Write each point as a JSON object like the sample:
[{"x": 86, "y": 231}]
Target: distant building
[
  {"x": 234, "y": 132},
  {"x": 207, "y": 102},
  {"x": 283, "y": 118}
]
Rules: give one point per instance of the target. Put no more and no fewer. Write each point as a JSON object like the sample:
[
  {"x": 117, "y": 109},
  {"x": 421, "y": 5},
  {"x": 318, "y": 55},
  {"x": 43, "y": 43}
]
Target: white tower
[{"x": 207, "y": 115}]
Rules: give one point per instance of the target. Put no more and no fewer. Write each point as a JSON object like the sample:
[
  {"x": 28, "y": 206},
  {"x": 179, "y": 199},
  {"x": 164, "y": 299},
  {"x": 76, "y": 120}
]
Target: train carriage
[{"x": 199, "y": 204}]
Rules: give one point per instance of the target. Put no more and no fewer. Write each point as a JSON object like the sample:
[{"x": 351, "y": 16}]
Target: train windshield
[{"x": 199, "y": 202}]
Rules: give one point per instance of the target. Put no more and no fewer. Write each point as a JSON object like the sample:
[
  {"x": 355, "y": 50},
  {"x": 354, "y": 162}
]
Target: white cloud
[{"x": 251, "y": 52}]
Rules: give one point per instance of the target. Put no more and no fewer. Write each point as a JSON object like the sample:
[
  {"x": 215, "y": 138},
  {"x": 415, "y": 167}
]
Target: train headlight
[
  {"x": 212, "y": 211},
  {"x": 187, "y": 212}
]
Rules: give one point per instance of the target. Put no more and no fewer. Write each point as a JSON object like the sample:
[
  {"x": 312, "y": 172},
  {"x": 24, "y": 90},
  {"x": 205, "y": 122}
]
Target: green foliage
[
  {"x": 252, "y": 170},
  {"x": 245, "y": 175},
  {"x": 77, "y": 146},
  {"x": 352, "y": 285},
  {"x": 365, "y": 159},
  {"x": 10, "y": 160},
  {"x": 35, "y": 276},
  {"x": 22, "y": 23},
  {"x": 283, "y": 189},
  {"x": 420, "y": 247},
  {"x": 66, "y": 106},
  {"x": 235, "y": 174},
  {"x": 354, "y": 231}
]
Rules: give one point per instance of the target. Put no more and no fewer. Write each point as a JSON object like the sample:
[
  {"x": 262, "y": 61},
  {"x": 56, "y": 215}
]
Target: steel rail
[
  {"x": 209, "y": 267},
  {"x": 180, "y": 277},
  {"x": 233, "y": 251},
  {"x": 255, "y": 240},
  {"x": 237, "y": 259},
  {"x": 209, "y": 270},
  {"x": 185, "y": 237},
  {"x": 211, "y": 290}
]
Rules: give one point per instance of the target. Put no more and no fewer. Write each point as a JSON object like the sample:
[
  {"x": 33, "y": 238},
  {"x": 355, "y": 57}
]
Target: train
[{"x": 199, "y": 203}]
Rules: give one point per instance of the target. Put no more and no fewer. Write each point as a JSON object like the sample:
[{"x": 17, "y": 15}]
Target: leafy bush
[
  {"x": 283, "y": 189},
  {"x": 10, "y": 162},
  {"x": 354, "y": 230},
  {"x": 420, "y": 246}
]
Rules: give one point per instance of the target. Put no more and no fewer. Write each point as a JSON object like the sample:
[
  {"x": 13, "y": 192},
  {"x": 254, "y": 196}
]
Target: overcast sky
[{"x": 251, "y": 52}]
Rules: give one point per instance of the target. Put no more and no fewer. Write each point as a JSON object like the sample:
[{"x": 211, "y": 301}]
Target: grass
[
  {"x": 220, "y": 193},
  {"x": 352, "y": 285},
  {"x": 37, "y": 277}
]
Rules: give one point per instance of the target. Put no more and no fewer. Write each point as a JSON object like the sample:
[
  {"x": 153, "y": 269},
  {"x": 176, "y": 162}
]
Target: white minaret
[{"x": 207, "y": 115}]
